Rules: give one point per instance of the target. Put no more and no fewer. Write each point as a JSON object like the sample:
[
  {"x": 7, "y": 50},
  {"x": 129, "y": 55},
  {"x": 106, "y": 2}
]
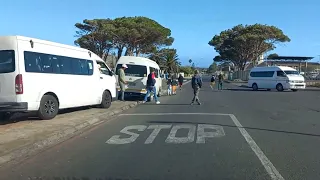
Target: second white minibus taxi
[
  {"x": 137, "y": 72},
  {"x": 276, "y": 77},
  {"x": 43, "y": 76}
]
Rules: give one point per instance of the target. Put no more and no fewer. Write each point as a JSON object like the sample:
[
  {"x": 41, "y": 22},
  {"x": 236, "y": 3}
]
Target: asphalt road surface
[{"x": 234, "y": 134}]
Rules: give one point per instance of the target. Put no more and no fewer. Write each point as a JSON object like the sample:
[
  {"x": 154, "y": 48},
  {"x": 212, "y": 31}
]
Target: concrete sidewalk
[{"x": 23, "y": 136}]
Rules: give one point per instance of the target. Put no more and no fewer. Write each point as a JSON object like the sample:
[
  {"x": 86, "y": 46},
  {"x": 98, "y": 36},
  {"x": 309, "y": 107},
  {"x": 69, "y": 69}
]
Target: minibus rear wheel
[
  {"x": 5, "y": 116},
  {"x": 255, "y": 87},
  {"x": 49, "y": 107}
]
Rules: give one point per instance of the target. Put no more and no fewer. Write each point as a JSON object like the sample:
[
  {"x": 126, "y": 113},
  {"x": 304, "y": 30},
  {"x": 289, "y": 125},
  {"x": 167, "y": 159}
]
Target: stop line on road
[{"x": 202, "y": 131}]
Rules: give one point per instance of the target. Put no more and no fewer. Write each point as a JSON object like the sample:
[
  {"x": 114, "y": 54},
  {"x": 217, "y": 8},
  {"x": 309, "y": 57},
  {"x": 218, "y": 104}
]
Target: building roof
[{"x": 289, "y": 58}]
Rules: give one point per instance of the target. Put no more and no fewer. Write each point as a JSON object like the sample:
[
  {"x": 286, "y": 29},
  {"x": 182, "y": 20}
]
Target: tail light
[{"x": 19, "y": 84}]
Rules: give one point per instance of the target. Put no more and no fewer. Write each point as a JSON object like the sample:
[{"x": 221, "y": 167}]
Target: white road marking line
[
  {"x": 167, "y": 114},
  {"x": 271, "y": 170},
  {"x": 187, "y": 82}
]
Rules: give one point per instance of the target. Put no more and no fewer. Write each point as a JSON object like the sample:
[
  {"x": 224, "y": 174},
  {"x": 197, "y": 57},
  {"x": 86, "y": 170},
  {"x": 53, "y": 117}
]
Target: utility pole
[{"x": 318, "y": 64}]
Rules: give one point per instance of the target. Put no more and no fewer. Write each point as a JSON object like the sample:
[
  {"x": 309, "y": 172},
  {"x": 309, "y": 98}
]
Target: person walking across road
[
  {"x": 196, "y": 84},
  {"x": 212, "y": 81},
  {"x": 121, "y": 81},
  {"x": 151, "y": 81},
  {"x": 220, "y": 79},
  {"x": 180, "y": 80}
]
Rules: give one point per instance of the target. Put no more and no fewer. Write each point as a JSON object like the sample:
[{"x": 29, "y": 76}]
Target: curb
[{"x": 62, "y": 135}]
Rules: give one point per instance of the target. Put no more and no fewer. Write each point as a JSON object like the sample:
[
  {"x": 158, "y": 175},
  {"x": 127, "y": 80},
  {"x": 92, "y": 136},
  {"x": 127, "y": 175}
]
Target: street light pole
[{"x": 318, "y": 63}]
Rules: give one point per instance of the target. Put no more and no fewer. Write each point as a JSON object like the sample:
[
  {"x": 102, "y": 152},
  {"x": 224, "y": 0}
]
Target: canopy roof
[{"x": 289, "y": 58}]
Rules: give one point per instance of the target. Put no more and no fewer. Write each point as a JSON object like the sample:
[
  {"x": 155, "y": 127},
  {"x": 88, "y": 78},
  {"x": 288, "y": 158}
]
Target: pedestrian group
[{"x": 196, "y": 84}]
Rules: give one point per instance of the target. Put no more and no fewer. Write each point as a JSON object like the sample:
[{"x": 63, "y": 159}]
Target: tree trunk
[
  {"x": 129, "y": 52},
  {"x": 120, "y": 50},
  {"x": 137, "y": 53},
  {"x": 104, "y": 57}
]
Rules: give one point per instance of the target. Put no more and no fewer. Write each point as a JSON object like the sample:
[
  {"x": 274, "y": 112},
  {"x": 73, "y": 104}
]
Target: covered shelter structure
[{"x": 292, "y": 61}]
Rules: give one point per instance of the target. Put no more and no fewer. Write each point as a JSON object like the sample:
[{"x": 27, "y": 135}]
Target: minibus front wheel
[
  {"x": 279, "y": 87},
  {"x": 106, "y": 100}
]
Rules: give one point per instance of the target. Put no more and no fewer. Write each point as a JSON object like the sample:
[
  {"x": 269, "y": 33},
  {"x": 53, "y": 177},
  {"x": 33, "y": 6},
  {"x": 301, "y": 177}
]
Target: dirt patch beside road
[{"x": 22, "y": 135}]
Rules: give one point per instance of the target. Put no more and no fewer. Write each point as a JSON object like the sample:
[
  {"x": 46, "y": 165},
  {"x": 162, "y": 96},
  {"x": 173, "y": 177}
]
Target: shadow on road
[
  {"x": 243, "y": 89},
  {"x": 311, "y": 89},
  {"x": 252, "y": 128}
]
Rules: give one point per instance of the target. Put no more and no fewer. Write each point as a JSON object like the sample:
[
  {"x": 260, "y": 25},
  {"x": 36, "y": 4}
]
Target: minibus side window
[
  {"x": 281, "y": 74},
  {"x": 104, "y": 69},
  {"x": 7, "y": 61}
]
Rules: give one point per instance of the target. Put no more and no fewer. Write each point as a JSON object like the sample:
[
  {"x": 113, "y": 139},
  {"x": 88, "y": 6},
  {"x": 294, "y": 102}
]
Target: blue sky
[{"x": 193, "y": 23}]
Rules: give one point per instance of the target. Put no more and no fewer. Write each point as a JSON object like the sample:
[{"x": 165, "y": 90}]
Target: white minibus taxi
[
  {"x": 137, "y": 72},
  {"x": 43, "y": 76},
  {"x": 276, "y": 77}
]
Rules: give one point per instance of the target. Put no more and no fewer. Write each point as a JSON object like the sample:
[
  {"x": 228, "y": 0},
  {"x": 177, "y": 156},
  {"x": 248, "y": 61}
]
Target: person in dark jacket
[
  {"x": 196, "y": 84},
  {"x": 151, "y": 82},
  {"x": 180, "y": 79},
  {"x": 220, "y": 79}
]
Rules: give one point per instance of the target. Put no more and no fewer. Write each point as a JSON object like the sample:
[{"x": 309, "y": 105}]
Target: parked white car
[
  {"x": 137, "y": 72},
  {"x": 43, "y": 76},
  {"x": 276, "y": 77}
]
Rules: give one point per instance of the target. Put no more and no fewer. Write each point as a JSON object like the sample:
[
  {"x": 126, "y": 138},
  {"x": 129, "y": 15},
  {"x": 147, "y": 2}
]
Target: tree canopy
[
  {"x": 135, "y": 35},
  {"x": 245, "y": 43},
  {"x": 93, "y": 35},
  {"x": 186, "y": 70},
  {"x": 274, "y": 55},
  {"x": 166, "y": 58},
  {"x": 212, "y": 68}
]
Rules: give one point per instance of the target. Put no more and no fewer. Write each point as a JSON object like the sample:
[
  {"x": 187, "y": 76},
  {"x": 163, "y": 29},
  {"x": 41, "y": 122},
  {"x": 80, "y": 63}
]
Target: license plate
[{"x": 131, "y": 84}]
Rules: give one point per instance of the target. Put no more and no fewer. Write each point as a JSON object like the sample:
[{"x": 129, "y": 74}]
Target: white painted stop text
[{"x": 199, "y": 132}]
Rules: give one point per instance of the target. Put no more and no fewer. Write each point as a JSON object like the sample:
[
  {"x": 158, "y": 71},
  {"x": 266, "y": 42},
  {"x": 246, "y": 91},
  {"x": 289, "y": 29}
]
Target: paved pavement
[{"x": 234, "y": 134}]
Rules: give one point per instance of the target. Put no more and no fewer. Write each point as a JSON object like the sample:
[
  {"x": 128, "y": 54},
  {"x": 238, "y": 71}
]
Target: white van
[
  {"x": 43, "y": 76},
  {"x": 137, "y": 72},
  {"x": 276, "y": 77}
]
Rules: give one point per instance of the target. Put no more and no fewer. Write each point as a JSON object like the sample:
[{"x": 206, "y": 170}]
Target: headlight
[{"x": 292, "y": 81}]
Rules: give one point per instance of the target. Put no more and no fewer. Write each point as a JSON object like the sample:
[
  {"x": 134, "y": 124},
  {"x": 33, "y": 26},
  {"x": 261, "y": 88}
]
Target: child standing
[{"x": 212, "y": 81}]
